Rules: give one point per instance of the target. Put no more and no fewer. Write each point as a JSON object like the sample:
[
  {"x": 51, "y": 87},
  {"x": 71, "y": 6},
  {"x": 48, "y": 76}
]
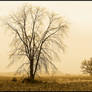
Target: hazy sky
[{"x": 79, "y": 46}]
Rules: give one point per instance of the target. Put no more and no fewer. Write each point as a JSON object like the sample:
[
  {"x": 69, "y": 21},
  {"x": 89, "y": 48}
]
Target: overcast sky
[{"x": 79, "y": 45}]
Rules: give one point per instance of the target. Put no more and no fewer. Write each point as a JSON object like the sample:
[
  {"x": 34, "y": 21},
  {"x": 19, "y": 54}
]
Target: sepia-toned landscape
[
  {"x": 45, "y": 83},
  {"x": 45, "y": 46}
]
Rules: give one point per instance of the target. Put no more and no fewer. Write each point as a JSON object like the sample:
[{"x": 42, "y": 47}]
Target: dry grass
[{"x": 54, "y": 83}]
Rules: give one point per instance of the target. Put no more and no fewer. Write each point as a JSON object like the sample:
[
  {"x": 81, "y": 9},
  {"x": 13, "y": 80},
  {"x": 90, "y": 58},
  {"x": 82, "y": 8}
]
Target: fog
[{"x": 78, "y": 42}]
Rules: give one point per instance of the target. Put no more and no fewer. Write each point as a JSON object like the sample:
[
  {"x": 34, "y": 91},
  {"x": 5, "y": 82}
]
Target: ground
[{"x": 52, "y": 83}]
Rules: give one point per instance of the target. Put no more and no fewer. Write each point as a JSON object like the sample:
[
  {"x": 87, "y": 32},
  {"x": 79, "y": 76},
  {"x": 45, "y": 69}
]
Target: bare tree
[
  {"x": 87, "y": 66},
  {"x": 36, "y": 33}
]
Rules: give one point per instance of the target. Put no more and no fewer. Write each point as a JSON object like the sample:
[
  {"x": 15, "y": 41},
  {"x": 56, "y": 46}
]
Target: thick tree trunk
[{"x": 31, "y": 71}]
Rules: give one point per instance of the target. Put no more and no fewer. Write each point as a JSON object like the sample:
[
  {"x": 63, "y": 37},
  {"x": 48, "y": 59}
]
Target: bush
[
  {"x": 28, "y": 80},
  {"x": 14, "y": 79},
  {"x": 25, "y": 80}
]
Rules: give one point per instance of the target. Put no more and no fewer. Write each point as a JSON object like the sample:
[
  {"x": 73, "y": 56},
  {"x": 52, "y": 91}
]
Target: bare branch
[{"x": 35, "y": 31}]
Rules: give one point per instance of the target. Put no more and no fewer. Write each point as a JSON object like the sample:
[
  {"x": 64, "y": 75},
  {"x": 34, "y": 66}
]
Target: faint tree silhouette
[
  {"x": 37, "y": 35},
  {"x": 87, "y": 66}
]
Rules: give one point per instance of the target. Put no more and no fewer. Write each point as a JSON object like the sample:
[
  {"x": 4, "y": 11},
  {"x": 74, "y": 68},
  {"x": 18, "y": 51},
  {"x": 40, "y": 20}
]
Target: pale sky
[{"x": 79, "y": 46}]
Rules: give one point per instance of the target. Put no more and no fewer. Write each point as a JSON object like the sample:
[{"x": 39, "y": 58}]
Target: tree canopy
[{"x": 37, "y": 36}]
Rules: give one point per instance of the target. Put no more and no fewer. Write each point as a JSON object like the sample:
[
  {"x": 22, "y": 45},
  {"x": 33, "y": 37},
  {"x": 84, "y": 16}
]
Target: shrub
[{"x": 14, "y": 79}]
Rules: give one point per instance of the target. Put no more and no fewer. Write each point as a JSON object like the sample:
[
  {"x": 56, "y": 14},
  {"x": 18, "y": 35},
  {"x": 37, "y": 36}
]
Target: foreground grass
[{"x": 55, "y": 83}]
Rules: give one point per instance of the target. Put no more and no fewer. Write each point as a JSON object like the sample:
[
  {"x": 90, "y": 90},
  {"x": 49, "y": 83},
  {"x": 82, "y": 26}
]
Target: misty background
[{"x": 78, "y": 42}]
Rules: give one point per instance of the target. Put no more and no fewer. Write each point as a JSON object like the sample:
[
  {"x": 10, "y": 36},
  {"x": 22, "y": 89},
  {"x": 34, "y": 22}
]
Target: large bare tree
[{"x": 37, "y": 36}]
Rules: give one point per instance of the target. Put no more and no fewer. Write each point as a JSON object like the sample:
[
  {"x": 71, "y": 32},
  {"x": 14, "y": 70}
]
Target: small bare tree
[
  {"x": 37, "y": 35},
  {"x": 87, "y": 66}
]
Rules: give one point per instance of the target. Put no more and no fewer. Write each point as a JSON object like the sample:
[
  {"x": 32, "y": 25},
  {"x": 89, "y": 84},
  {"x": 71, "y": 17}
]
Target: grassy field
[{"x": 53, "y": 83}]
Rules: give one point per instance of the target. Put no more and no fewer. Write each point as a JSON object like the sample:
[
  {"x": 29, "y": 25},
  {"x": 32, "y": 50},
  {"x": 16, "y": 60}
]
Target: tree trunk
[{"x": 31, "y": 76}]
